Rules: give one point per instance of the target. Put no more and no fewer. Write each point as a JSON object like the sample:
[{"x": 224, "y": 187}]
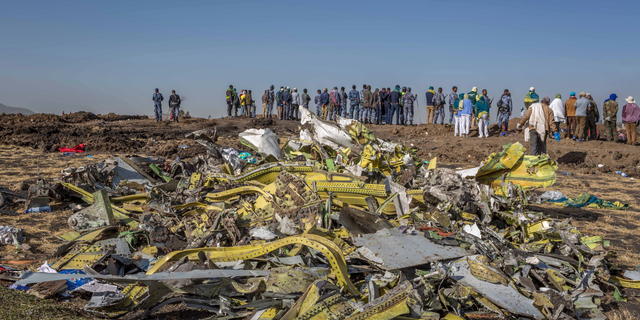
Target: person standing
[
  {"x": 481, "y": 111},
  {"x": 473, "y": 96},
  {"x": 582, "y": 105},
  {"x": 593, "y": 116},
  {"x": 317, "y": 102},
  {"x": 324, "y": 101},
  {"x": 243, "y": 102},
  {"x": 174, "y": 105},
  {"x": 540, "y": 117},
  {"x": 570, "y": 112},
  {"x": 305, "y": 99},
  {"x": 265, "y": 99},
  {"x": 529, "y": 99},
  {"x": 407, "y": 103},
  {"x": 505, "y": 107},
  {"x": 557, "y": 106},
  {"x": 466, "y": 113},
  {"x": 375, "y": 106},
  {"x": 295, "y": 104},
  {"x": 334, "y": 104},
  {"x": 280, "y": 104},
  {"x": 354, "y": 96},
  {"x": 610, "y": 114},
  {"x": 457, "y": 109},
  {"x": 248, "y": 96},
  {"x": 236, "y": 102},
  {"x": 439, "y": 100},
  {"x": 157, "y": 104},
  {"x": 486, "y": 98},
  {"x": 453, "y": 97},
  {"x": 286, "y": 103},
  {"x": 394, "y": 99},
  {"x": 270, "y": 99},
  {"x": 229, "y": 99},
  {"x": 365, "y": 100},
  {"x": 630, "y": 117},
  {"x": 430, "y": 95},
  {"x": 343, "y": 103},
  {"x": 387, "y": 105},
  {"x": 382, "y": 98}
]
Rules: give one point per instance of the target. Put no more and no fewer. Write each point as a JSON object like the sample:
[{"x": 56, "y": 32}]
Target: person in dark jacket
[
  {"x": 343, "y": 102},
  {"x": 229, "y": 95},
  {"x": 157, "y": 104},
  {"x": 431, "y": 108},
  {"x": 174, "y": 104},
  {"x": 394, "y": 99},
  {"x": 382, "y": 104},
  {"x": 305, "y": 99},
  {"x": 285, "y": 97},
  {"x": 324, "y": 102}
]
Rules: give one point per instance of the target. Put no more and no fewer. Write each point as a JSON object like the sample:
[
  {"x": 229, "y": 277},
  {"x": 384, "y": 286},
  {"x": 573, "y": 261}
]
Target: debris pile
[{"x": 335, "y": 224}]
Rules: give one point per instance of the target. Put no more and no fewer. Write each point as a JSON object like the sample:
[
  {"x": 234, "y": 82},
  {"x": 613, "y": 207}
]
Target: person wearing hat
[
  {"x": 431, "y": 107},
  {"x": 505, "y": 107},
  {"x": 529, "y": 99},
  {"x": 229, "y": 95},
  {"x": 157, "y": 104},
  {"x": 295, "y": 104},
  {"x": 394, "y": 99},
  {"x": 539, "y": 117},
  {"x": 473, "y": 96},
  {"x": 609, "y": 115},
  {"x": 354, "y": 96},
  {"x": 593, "y": 116},
  {"x": 630, "y": 117},
  {"x": 570, "y": 112},
  {"x": 582, "y": 105},
  {"x": 407, "y": 103},
  {"x": 174, "y": 105},
  {"x": 439, "y": 100}
]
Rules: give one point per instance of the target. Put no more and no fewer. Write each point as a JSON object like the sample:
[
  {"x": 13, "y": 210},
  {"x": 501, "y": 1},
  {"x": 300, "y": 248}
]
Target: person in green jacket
[{"x": 481, "y": 111}]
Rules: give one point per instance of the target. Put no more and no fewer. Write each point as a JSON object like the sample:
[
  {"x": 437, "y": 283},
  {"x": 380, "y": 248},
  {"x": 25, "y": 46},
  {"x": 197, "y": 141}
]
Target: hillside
[{"x": 7, "y": 109}]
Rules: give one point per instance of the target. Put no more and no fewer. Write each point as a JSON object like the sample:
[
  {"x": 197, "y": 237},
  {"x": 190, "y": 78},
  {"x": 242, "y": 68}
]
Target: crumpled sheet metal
[
  {"x": 396, "y": 250},
  {"x": 263, "y": 141},
  {"x": 502, "y": 295},
  {"x": 326, "y": 132}
]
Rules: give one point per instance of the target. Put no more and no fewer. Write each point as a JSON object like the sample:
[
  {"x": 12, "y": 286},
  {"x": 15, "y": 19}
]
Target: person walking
[
  {"x": 229, "y": 100},
  {"x": 295, "y": 104},
  {"x": 570, "y": 112},
  {"x": 453, "y": 97},
  {"x": 466, "y": 114},
  {"x": 157, "y": 104},
  {"x": 593, "y": 116},
  {"x": 505, "y": 107},
  {"x": 407, "y": 103},
  {"x": 557, "y": 106},
  {"x": 610, "y": 114},
  {"x": 439, "y": 100},
  {"x": 630, "y": 118},
  {"x": 481, "y": 112},
  {"x": 582, "y": 105},
  {"x": 430, "y": 95},
  {"x": 305, "y": 99},
  {"x": 174, "y": 105},
  {"x": 540, "y": 117},
  {"x": 354, "y": 96}
]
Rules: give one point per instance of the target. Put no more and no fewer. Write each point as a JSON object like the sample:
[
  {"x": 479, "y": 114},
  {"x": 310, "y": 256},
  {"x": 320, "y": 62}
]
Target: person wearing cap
[
  {"x": 593, "y": 116},
  {"x": 280, "y": 104},
  {"x": 439, "y": 100},
  {"x": 630, "y": 117},
  {"x": 505, "y": 107},
  {"x": 366, "y": 104},
  {"x": 394, "y": 99},
  {"x": 295, "y": 104},
  {"x": 539, "y": 117},
  {"x": 157, "y": 104},
  {"x": 453, "y": 97},
  {"x": 354, "y": 96},
  {"x": 324, "y": 101},
  {"x": 407, "y": 103},
  {"x": 229, "y": 95},
  {"x": 270, "y": 99},
  {"x": 570, "y": 112},
  {"x": 557, "y": 106},
  {"x": 582, "y": 105},
  {"x": 431, "y": 108},
  {"x": 481, "y": 111},
  {"x": 334, "y": 104},
  {"x": 609, "y": 115},
  {"x": 174, "y": 105}
]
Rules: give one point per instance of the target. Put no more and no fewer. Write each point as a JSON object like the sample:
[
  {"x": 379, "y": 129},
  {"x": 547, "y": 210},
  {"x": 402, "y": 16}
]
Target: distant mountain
[{"x": 7, "y": 109}]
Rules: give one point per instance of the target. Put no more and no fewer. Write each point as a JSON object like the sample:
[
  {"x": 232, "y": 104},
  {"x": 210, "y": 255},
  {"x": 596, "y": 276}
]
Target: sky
[{"x": 108, "y": 56}]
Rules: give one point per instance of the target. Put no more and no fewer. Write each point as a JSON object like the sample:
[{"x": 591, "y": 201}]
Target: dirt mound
[
  {"x": 262, "y": 123},
  {"x": 117, "y": 117},
  {"x": 80, "y": 116}
]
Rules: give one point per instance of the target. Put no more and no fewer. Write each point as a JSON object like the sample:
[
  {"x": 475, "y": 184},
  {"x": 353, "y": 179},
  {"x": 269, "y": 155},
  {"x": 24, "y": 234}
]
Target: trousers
[
  {"x": 592, "y": 130},
  {"x": 538, "y": 144},
  {"x": 264, "y": 110},
  {"x": 175, "y": 111},
  {"x": 465, "y": 123},
  {"x": 503, "y": 120},
  {"x": 408, "y": 114},
  {"x": 333, "y": 110},
  {"x": 280, "y": 111},
  {"x": 631, "y": 133},
  {"x": 457, "y": 131},
  {"x": 571, "y": 126},
  {"x": 430, "y": 114},
  {"x": 399, "y": 110},
  {"x": 325, "y": 111},
  {"x": 451, "y": 115},
  {"x": 439, "y": 113},
  {"x": 483, "y": 126},
  {"x": 318, "y": 110},
  {"x": 354, "y": 112},
  {"x": 157, "y": 109},
  {"x": 294, "y": 111},
  {"x": 229, "y": 108},
  {"x": 581, "y": 126},
  {"x": 610, "y": 130}
]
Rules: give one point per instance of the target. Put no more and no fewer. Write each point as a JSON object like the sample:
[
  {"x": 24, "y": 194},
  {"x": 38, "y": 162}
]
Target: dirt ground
[{"x": 29, "y": 144}]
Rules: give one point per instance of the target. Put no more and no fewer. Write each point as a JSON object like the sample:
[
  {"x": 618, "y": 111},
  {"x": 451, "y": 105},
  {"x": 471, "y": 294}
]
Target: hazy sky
[{"x": 108, "y": 56}]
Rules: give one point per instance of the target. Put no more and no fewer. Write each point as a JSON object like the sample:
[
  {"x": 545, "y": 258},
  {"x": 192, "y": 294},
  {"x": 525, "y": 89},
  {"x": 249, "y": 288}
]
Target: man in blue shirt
[
  {"x": 354, "y": 96},
  {"x": 324, "y": 101},
  {"x": 157, "y": 104}
]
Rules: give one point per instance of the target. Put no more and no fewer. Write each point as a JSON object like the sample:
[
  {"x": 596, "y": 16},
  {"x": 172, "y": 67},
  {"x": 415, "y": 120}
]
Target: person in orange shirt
[{"x": 570, "y": 113}]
